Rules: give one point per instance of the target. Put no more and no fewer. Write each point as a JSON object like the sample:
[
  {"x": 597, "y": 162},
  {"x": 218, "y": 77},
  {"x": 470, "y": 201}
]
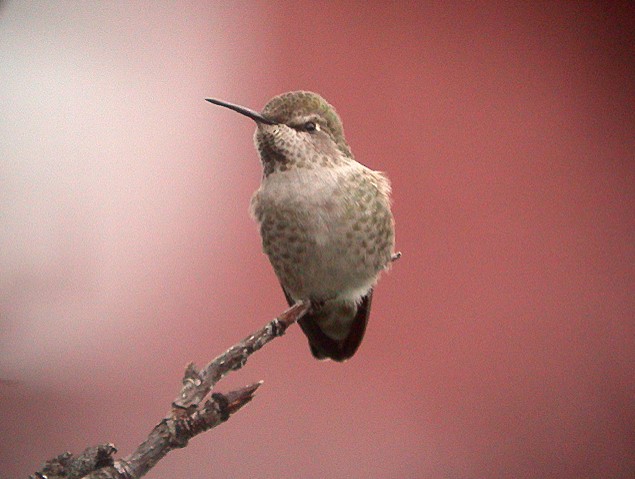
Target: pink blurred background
[{"x": 502, "y": 344}]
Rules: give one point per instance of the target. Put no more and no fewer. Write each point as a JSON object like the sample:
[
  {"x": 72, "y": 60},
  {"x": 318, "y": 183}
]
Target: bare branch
[
  {"x": 191, "y": 413},
  {"x": 196, "y": 385}
]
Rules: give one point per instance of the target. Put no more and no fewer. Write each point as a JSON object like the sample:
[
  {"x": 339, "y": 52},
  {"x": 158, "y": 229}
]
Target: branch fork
[{"x": 195, "y": 410}]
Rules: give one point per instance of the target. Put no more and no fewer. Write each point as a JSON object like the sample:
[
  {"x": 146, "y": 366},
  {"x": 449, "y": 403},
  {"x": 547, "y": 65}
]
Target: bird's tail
[{"x": 336, "y": 328}]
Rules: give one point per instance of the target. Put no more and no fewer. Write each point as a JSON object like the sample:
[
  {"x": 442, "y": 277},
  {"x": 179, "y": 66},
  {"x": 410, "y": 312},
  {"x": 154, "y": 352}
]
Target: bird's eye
[{"x": 310, "y": 126}]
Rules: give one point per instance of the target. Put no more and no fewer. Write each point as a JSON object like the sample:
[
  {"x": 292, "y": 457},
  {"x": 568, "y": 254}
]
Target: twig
[
  {"x": 190, "y": 414},
  {"x": 196, "y": 385}
]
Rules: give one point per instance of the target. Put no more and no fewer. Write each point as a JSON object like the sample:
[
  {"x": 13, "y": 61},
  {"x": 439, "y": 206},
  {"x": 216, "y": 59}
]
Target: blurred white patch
[{"x": 111, "y": 185}]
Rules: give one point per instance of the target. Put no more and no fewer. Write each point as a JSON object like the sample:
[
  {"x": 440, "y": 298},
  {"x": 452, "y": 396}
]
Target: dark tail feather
[{"x": 322, "y": 346}]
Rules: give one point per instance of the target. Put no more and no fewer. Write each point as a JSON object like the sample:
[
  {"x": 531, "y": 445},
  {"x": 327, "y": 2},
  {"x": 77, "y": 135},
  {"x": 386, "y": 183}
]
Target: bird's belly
[
  {"x": 323, "y": 267},
  {"x": 327, "y": 233},
  {"x": 319, "y": 251}
]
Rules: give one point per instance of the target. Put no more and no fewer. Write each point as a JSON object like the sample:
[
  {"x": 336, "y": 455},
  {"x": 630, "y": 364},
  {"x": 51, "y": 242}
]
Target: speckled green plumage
[
  {"x": 327, "y": 244},
  {"x": 324, "y": 218}
]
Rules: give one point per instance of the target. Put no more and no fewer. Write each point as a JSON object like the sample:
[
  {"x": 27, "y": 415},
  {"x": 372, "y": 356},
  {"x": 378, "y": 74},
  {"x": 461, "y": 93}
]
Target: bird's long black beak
[{"x": 254, "y": 115}]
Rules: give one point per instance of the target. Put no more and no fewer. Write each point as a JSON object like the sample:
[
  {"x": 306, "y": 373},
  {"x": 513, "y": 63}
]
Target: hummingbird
[{"x": 325, "y": 219}]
